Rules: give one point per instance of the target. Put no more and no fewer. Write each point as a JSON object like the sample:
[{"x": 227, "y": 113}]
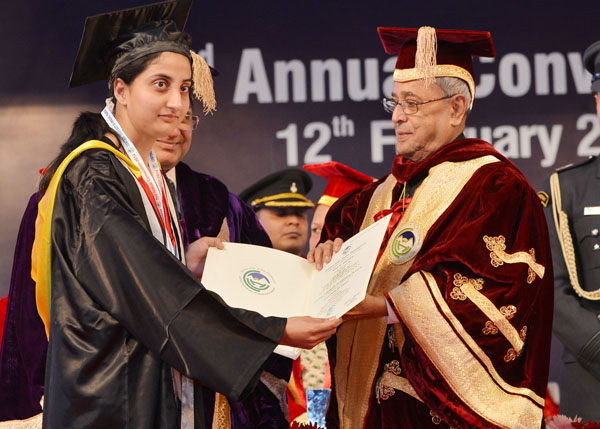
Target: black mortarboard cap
[
  {"x": 591, "y": 60},
  {"x": 284, "y": 188},
  {"x": 108, "y": 36}
]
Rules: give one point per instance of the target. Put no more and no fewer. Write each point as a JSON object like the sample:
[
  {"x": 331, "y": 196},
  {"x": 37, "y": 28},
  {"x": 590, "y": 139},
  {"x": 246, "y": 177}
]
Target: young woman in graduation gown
[{"x": 128, "y": 324}]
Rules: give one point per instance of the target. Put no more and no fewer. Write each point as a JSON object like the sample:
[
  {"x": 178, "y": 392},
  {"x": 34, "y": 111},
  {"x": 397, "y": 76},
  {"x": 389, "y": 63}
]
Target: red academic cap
[
  {"x": 427, "y": 53},
  {"x": 341, "y": 179}
]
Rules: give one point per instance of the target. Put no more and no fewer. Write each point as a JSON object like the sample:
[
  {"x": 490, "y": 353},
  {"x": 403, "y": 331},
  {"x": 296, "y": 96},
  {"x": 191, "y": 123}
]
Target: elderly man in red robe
[{"x": 455, "y": 330}]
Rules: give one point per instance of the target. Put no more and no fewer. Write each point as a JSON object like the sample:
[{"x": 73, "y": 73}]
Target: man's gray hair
[{"x": 453, "y": 86}]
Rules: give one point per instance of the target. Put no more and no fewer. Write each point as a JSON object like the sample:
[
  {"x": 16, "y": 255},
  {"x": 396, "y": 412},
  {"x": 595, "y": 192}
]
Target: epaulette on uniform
[
  {"x": 544, "y": 198},
  {"x": 570, "y": 166}
]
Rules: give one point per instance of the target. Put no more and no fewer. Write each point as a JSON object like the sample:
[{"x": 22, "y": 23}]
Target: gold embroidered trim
[
  {"x": 457, "y": 294},
  {"x": 486, "y": 393},
  {"x": 460, "y": 280},
  {"x": 498, "y": 256},
  {"x": 435, "y": 292},
  {"x": 435, "y": 418},
  {"x": 222, "y": 413},
  {"x": 393, "y": 367},
  {"x": 561, "y": 222},
  {"x": 465, "y": 287},
  {"x": 327, "y": 200},
  {"x": 530, "y": 272},
  {"x": 439, "y": 70},
  {"x": 523, "y": 333},
  {"x": 388, "y": 383},
  {"x": 33, "y": 422},
  {"x": 490, "y": 328},
  {"x": 289, "y": 204},
  {"x": 281, "y": 196},
  {"x": 511, "y": 354},
  {"x": 357, "y": 367},
  {"x": 544, "y": 198},
  {"x": 508, "y": 311},
  {"x": 382, "y": 391},
  {"x": 498, "y": 317}
]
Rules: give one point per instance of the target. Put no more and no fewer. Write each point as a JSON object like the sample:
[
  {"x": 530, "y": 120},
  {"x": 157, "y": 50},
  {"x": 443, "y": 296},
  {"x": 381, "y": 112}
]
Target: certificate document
[{"x": 276, "y": 283}]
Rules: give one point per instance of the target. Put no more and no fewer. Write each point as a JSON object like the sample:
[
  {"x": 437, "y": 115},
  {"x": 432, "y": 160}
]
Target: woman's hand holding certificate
[
  {"x": 275, "y": 283},
  {"x": 305, "y": 332}
]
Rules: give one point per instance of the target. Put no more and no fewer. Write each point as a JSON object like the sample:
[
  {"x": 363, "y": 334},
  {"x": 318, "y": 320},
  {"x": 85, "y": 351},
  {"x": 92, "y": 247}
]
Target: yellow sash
[
  {"x": 359, "y": 342},
  {"x": 41, "y": 252}
]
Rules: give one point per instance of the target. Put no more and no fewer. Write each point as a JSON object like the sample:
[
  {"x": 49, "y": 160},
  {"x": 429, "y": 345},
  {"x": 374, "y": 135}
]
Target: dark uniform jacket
[{"x": 576, "y": 319}]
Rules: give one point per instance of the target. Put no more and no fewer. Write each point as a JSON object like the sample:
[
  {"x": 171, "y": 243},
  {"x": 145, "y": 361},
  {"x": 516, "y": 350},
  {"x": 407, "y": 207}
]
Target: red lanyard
[
  {"x": 152, "y": 181},
  {"x": 166, "y": 221}
]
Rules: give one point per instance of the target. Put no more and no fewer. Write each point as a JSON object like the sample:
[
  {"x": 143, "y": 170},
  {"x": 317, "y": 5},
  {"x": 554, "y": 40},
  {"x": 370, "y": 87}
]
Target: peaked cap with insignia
[
  {"x": 591, "y": 60},
  {"x": 284, "y": 188}
]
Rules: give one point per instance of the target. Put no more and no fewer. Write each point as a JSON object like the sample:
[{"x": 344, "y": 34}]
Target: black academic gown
[{"x": 125, "y": 311}]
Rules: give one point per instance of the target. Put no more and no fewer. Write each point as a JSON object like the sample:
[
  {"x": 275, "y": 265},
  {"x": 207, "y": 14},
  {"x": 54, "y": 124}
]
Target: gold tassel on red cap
[
  {"x": 425, "y": 58},
  {"x": 203, "y": 83}
]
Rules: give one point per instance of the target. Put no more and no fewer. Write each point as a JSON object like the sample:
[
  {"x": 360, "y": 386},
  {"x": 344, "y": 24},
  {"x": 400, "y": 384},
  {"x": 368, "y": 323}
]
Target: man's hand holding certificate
[{"x": 276, "y": 283}]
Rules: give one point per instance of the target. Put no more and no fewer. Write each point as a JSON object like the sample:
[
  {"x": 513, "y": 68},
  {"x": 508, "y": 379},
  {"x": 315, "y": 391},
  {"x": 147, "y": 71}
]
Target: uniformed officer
[
  {"x": 571, "y": 199},
  {"x": 282, "y": 207}
]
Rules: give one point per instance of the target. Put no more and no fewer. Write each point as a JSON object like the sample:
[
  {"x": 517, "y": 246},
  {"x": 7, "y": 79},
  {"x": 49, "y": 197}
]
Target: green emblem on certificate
[
  {"x": 406, "y": 243},
  {"x": 257, "y": 281}
]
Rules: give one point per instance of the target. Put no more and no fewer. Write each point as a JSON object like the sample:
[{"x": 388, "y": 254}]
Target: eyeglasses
[
  {"x": 190, "y": 122},
  {"x": 409, "y": 107}
]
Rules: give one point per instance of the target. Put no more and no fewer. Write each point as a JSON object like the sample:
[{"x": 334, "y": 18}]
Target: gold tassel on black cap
[
  {"x": 203, "y": 83},
  {"x": 425, "y": 58}
]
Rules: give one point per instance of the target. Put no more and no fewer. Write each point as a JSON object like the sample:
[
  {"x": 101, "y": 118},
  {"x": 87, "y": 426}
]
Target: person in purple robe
[
  {"x": 24, "y": 343},
  {"x": 207, "y": 209}
]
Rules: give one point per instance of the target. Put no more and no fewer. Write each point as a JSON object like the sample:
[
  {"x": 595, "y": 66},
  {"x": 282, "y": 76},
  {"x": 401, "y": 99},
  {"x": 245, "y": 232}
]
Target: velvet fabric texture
[
  {"x": 454, "y": 47},
  {"x": 24, "y": 343},
  {"x": 496, "y": 201},
  {"x": 205, "y": 203}
]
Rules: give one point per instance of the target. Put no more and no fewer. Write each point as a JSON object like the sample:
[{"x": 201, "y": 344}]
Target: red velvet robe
[{"x": 458, "y": 362}]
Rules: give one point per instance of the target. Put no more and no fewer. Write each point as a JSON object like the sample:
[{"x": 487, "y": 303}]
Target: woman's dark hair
[
  {"x": 88, "y": 126},
  {"x": 130, "y": 71},
  {"x": 92, "y": 126}
]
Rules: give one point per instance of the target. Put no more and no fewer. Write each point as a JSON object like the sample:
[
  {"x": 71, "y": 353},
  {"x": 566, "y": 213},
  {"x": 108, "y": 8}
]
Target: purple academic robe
[{"x": 24, "y": 343}]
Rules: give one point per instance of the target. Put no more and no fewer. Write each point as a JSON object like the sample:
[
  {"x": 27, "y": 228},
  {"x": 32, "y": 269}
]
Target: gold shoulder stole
[
  {"x": 359, "y": 342},
  {"x": 41, "y": 252},
  {"x": 462, "y": 363}
]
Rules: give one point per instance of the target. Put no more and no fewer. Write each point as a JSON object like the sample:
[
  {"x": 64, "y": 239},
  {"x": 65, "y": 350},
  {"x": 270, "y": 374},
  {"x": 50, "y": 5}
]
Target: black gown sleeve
[{"x": 102, "y": 241}]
